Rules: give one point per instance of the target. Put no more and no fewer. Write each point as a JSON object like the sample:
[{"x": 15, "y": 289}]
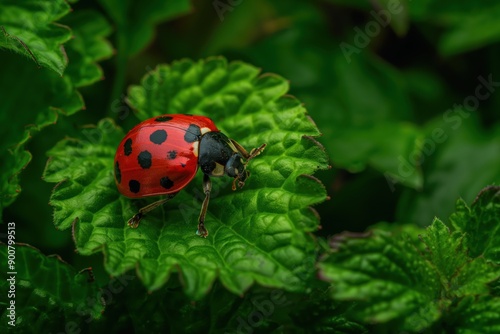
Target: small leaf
[
  {"x": 88, "y": 46},
  {"x": 444, "y": 249},
  {"x": 481, "y": 224},
  {"x": 48, "y": 292},
  {"x": 459, "y": 274},
  {"x": 257, "y": 234},
  {"x": 28, "y": 27}
]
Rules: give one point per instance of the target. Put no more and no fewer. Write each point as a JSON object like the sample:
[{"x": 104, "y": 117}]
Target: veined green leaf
[
  {"x": 459, "y": 274},
  {"x": 28, "y": 27},
  {"x": 257, "y": 234},
  {"x": 450, "y": 280},
  {"x": 481, "y": 224},
  {"x": 387, "y": 276}
]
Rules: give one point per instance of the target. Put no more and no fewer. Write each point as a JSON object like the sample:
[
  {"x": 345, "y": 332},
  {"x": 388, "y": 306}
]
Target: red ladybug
[{"x": 161, "y": 155}]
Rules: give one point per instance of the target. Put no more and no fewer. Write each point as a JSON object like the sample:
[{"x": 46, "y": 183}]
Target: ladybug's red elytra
[{"x": 161, "y": 155}]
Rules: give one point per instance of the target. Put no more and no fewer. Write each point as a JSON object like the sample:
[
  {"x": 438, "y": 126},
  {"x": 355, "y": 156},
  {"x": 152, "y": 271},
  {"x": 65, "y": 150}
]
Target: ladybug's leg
[
  {"x": 248, "y": 156},
  {"x": 207, "y": 188},
  {"x": 135, "y": 220}
]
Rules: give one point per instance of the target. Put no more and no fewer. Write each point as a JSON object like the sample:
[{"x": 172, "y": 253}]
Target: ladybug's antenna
[
  {"x": 255, "y": 152},
  {"x": 240, "y": 178}
]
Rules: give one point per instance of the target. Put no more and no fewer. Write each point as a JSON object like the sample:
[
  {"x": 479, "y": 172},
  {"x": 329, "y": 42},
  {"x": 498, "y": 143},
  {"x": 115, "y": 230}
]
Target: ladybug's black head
[
  {"x": 218, "y": 156},
  {"x": 237, "y": 169}
]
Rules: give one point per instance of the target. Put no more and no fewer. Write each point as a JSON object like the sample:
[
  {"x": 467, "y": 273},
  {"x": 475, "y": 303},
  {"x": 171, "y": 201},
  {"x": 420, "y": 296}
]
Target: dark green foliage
[
  {"x": 419, "y": 287},
  {"x": 379, "y": 116}
]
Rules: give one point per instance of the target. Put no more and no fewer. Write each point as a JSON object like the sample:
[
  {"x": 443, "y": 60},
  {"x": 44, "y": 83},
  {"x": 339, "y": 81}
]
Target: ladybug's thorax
[{"x": 218, "y": 156}]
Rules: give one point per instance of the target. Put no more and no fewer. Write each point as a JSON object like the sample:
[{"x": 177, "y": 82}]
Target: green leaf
[
  {"x": 136, "y": 20},
  {"x": 48, "y": 292},
  {"x": 466, "y": 25},
  {"x": 88, "y": 46},
  {"x": 40, "y": 95},
  {"x": 458, "y": 273},
  {"x": 49, "y": 94},
  {"x": 476, "y": 315},
  {"x": 393, "y": 280},
  {"x": 473, "y": 32},
  {"x": 257, "y": 234},
  {"x": 444, "y": 249},
  {"x": 447, "y": 173},
  {"x": 387, "y": 276},
  {"x": 28, "y": 28},
  {"x": 481, "y": 224}
]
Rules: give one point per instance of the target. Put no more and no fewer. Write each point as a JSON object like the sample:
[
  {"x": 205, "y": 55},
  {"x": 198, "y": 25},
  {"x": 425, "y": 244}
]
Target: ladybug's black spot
[
  {"x": 118, "y": 173},
  {"x": 134, "y": 186},
  {"x": 127, "y": 147},
  {"x": 172, "y": 155},
  {"x": 183, "y": 165},
  {"x": 193, "y": 133},
  {"x": 144, "y": 159},
  {"x": 158, "y": 137},
  {"x": 166, "y": 183},
  {"x": 163, "y": 118}
]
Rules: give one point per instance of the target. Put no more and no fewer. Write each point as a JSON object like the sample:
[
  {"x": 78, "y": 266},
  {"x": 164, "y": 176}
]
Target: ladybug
[{"x": 161, "y": 155}]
